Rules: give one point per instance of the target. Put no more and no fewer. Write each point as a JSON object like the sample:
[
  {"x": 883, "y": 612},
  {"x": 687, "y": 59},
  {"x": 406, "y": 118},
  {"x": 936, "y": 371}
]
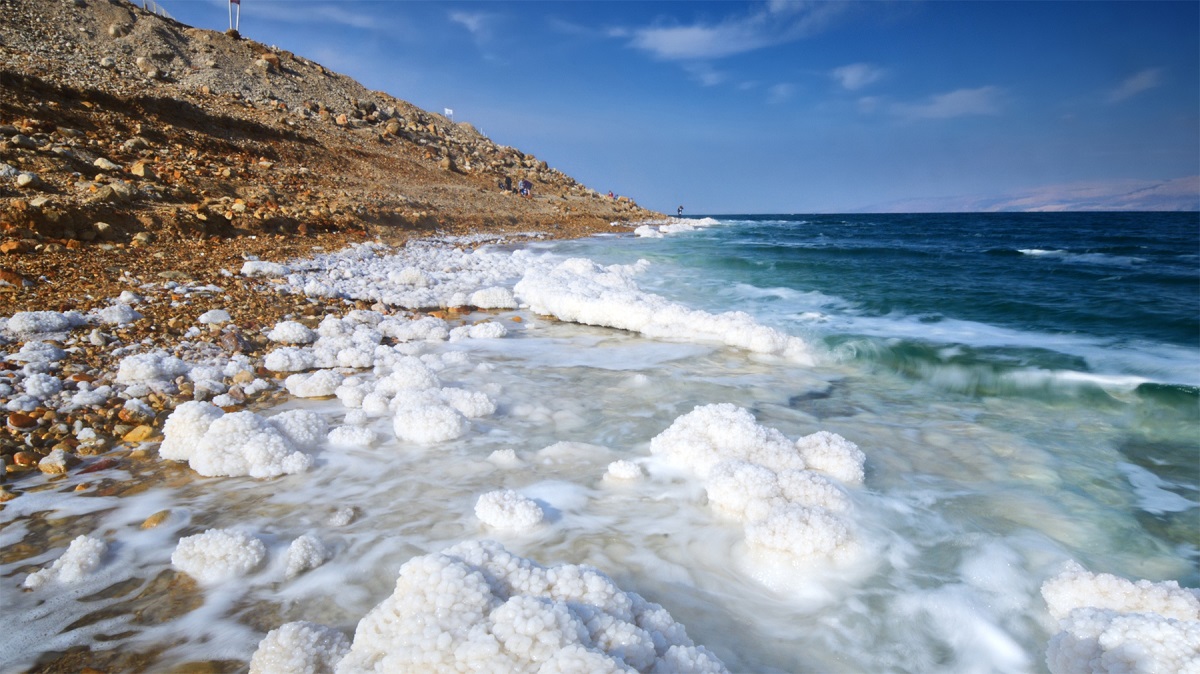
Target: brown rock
[
  {"x": 142, "y": 170},
  {"x": 14, "y": 246},
  {"x": 25, "y": 458},
  {"x": 156, "y": 519},
  {"x": 139, "y": 434},
  {"x": 19, "y": 421}
]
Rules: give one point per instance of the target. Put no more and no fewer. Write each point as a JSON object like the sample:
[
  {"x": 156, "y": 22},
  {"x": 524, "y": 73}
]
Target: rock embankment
[{"x": 140, "y": 155}]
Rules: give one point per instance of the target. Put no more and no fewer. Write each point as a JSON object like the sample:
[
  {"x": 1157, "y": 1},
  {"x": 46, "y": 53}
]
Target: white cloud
[
  {"x": 476, "y": 23},
  {"x": 780, "y": 92},
  {"x": 705, "y": 74},
  {"x": 957, "y": 103},
  {"x": 1136, "y": 84},
  {"x": 779, "y": 22},
  {"x": 856, "y": 75}
]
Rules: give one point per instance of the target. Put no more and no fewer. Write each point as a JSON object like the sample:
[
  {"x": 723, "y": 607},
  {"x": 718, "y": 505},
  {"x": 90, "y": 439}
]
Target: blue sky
[{"x": 789, "y": 107}]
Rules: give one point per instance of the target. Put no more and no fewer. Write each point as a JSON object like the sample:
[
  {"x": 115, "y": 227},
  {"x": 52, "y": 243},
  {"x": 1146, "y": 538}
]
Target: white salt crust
[
  {"x": 215, "y": 443},
  {"x": 755, "y": 476},
  {"x": 1111, "y": 625},
  {"x": 475, "y": 607},
  {"x": 299, "y": 648},
  {"x": 218, "y": 555},
  {"x": 508, "y": 510},
  {"x": 83, "y": 556}
]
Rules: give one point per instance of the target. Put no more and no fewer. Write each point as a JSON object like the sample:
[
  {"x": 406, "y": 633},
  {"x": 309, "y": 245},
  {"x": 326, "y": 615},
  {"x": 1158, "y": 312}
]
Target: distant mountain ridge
[{"x": 1180, "y": 194}]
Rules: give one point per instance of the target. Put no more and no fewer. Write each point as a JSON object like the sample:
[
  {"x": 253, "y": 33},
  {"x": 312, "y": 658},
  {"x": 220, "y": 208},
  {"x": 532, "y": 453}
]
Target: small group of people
[{"x": 524, "y": 187}]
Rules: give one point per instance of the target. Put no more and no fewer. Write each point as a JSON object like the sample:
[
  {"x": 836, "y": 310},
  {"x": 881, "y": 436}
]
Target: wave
[{"x": 1085, "y": 258}]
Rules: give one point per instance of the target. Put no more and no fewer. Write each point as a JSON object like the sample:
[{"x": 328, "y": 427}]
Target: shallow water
[{"x": 975, "y": 493}]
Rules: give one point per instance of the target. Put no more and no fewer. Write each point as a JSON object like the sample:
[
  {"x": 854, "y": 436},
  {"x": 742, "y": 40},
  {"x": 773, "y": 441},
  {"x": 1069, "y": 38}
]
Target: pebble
[
  {"x": 105, "y": 164},
  {"x": 57, "y": 462},
  {"x": 156, "y": 519}
]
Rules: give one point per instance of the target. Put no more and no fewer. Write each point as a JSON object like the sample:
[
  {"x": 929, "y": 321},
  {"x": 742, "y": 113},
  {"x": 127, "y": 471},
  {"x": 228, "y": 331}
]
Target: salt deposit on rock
[
  {"x": 756, "y": 476},
  {"x": 83, "y": 556},
  {"x": 117, "y": 314},
  {"x": 314, "y": 385},
  {"x": 1110, "y": 624},
  {"x": 299, "y": 648},
  {"x": 623, "y": 471},
  {"x": 214, "y": 316},
  {"x": 241, "y": 443},
  {"x": 507, "y": 509},
  {"x": 26, "y": 323},
  {"x": 291, "y": 332},
  {"x": 263, "y": 269},
  {"x": 305, "y": 553},
  {"x": 582, "y": 291},
  {"x": 352, "y": 436},
  {"x": 218, "y": 554},
  {"x": 477, "y": 607},
  {"x": 150, "y": 368}
]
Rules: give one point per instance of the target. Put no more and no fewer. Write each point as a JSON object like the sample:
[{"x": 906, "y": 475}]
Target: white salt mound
[
  {"x": 146, "y": 368},
  {"x": 81, "y": 558},
  {"x": 263, "y": 269},
  {"x": 623, "y": 471},
  {"x": 25, "y": 323},
  {"x": 507, "y": 509},
  {"x": 214, "y": 317},
  {"x": 1110, "y": 624},
  {"x": 241, "y": 443},
  {"x": 757, "y": 477},
  {"x": 299, "y": 648},
  {"x": 305, "y": 553},
  {"x": 117, "y": 314},
  {"x": 291, "y": 332},
  {"x": 218, "y": 554},
  {"x": 476, "y": 607}
]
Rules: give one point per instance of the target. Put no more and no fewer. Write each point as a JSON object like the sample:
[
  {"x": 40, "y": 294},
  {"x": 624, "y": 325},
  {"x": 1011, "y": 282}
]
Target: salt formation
[
  {"x": 26, "y": 323},
  {"x": 215, "y": 443},
  {"x": 623, "y": 471},
  {"x": 1110, "y": 624},
  {"x": 81, "y": 558},
  {"x": 507, "y": 509},
  {"x": 477, "y": 607},
  {"x": 218, "y": 554},
  {"x": 299, "y": 648},
  {"x": 756, "y": 476},
  {"x": 305, "y": 553},
  {"x": 581, "y": 291}
]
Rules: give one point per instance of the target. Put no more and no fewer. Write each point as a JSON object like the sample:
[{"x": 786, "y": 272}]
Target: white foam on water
[{"x": 965, "y": 505}]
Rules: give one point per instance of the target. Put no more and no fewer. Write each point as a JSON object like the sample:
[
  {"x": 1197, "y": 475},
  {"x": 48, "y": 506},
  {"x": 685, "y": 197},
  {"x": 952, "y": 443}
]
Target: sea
[{"x": 1025, "y": 389}]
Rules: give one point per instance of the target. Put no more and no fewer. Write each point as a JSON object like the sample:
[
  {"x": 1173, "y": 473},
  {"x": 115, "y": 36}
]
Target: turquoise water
[{"x": 1084, "y": 327}]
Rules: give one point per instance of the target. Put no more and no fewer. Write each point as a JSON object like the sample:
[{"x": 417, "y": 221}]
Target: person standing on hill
[{"x": 679, "y": 212}]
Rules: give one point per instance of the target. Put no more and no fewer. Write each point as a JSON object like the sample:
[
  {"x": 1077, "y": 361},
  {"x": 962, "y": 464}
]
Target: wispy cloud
[
  {"x": 856, "y": 75},
  {"x": 705, "y": 74},
  {"x": 317, "y": 13},
  {"x": 476, "y": 23},
  {"x": 957, "y": 103},
  {"x": 779, "y": 93},
  {"x": 1136, "y": 84},
  {"x": 777, "y": 22}
]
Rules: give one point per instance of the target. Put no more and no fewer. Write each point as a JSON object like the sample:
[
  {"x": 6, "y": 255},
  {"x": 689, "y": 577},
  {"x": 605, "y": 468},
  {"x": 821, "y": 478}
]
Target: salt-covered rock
[
  {"x": 507, "y": 509},
  {"x": 1110, "y": 624},
  {"x": 292, "y": 332},
  {"x": 263, "y": 269},
  {"x": 241, "y": 443},
  {"x": 117, "y": 314},
  {"x": 290, "y": 359},
  {"x": 299, "y": 648},
  {"x": 214, "y": 317},
  {"x": 623, "y": 471},
  {"x": 305, "y": 553},
  {"x": 82, "y": 557},
  {"x": 477, "y": 607},
  {"x": 313, "y": 385},
  {"x": 155, "y": 366},
  {"x": 25, "y": 323},
  {"x": 218, "y": 555}
]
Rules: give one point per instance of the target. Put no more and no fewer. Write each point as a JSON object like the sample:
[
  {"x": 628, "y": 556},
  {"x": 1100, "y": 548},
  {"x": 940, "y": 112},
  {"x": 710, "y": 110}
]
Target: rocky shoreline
[{"x": 141, "y": 156}]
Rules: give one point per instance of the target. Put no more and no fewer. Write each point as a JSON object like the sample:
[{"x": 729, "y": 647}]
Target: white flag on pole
[{"x": 449, "y": 113}]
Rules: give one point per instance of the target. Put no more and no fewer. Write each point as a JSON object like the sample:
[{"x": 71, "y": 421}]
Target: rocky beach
[{"x": 141, "y": 155}]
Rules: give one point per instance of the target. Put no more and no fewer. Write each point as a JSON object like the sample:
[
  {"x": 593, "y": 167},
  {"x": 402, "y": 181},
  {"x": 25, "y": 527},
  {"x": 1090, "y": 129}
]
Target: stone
[
  {"x": 28, "y": 181},
  {"x": 142, "y": 170},
  {"x": 13, "y": 247},
  {"x": 19, "y": 421},
  {"x": 272, "y": 59},
  {"x": 142, "y": 239},
  {"x": 156, "y": 519},
  {"x": 25, "y": 458},
  {"x": 147, "y": 67},
  {"x": 135, "y": 144},
  {"x": 24, "y": 142},
  {"x": 139, "y": 434},
  {"x": 118, "y": 30},
  {"x": 105, "y": 164},
  {"x": 104, "y": 230},
  {"x": 341, "y": 120},
  {"x": 446, "y": 164},
  {"x": 57, "y": 462},
  {"x": 108, "y": 63}
]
